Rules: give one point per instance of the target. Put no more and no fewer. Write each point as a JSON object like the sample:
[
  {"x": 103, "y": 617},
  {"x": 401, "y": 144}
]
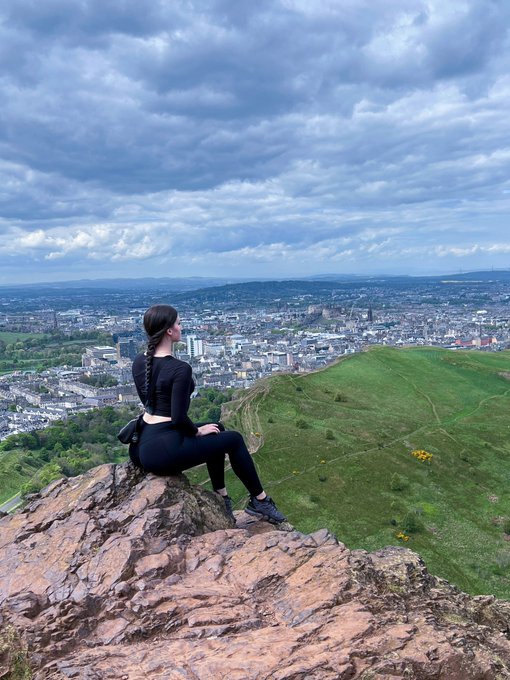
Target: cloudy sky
[{"x": 268, "y": 138}]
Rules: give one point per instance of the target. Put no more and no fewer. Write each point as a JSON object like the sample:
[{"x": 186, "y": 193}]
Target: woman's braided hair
[{"x": 156, "y": 321}]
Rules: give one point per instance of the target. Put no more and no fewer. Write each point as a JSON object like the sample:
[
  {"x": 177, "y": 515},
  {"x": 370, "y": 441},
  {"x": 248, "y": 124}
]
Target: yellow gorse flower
[
  {"x": 401, "y": 536},
  {"x": 422, "y": 455}
]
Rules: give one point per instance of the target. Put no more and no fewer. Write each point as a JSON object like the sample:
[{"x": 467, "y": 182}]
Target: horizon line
[{"x": 247, "y": 279}]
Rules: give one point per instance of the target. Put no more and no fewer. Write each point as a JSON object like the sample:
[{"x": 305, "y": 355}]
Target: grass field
[
  {"x": 45, "y": 353},
  {"x": 9, "y": 337},
  {"x": 360, "y": 479}
]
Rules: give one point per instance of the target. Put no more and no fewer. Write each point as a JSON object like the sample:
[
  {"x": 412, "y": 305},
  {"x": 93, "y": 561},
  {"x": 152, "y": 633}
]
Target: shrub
[
  {"x": 302, "y": 424},
  {"x": 502, "y": 562},
  {"x": 506, "y": 525},
  {"x": 14, "y": 655},
  {"x": 398, "y": 482},
  {"x": 330, "y": 435},
  {"x": 340, "y": 397},
  {"x": 299, "y": 388},
  {"x": 270, "y": 419},
  {"x": 412, "y": 523},
  {"x": 422, "y": 455}
]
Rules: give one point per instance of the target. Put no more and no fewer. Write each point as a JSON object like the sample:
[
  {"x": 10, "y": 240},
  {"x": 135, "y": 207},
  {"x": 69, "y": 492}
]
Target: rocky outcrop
[{"x": 118, "y": 575}]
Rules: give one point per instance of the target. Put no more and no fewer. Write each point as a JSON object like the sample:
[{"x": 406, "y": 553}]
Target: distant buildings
[
  {"x": 194, "y": 346},
  {"x": 127, "y": 347},
  {"x": 234, "y": 346},
  {"x": 98, "y": 356},
  {"x": 476, "y": 342},
  {"x": 29, "y": 322}
]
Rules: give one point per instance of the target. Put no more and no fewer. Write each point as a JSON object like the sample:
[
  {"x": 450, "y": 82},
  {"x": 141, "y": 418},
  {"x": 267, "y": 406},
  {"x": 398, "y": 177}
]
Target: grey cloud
[
  {"x": 239, "y": 127},
  {"x": 461, "y": 46},
  {"x": 86, "y": 22}
]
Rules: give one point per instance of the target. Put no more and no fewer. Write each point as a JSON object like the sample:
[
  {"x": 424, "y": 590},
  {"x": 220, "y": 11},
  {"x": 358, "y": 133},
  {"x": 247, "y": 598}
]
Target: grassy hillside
[{"x": 336, "y": 451}]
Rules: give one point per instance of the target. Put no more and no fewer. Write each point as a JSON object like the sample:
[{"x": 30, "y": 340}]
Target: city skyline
[{"x": 274, "y": 140}]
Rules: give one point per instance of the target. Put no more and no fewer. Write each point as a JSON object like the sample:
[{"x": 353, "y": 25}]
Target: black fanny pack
[{"x": 130, "y": 433}]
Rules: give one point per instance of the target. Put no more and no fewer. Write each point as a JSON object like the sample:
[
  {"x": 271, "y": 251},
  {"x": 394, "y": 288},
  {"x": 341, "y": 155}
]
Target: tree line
[{"x": 31, "y": 460}]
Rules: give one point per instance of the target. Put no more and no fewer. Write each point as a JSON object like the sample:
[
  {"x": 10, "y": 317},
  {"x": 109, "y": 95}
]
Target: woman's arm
[{"x": 181, "y": 387}]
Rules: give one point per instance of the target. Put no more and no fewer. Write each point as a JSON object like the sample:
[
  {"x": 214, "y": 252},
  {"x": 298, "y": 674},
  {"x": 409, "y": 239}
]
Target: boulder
[{"x": 115, "y": 574}]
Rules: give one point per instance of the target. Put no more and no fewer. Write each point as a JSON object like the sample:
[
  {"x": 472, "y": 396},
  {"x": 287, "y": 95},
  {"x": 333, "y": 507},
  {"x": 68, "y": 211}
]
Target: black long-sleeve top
[{"x": 174, "y": 386}]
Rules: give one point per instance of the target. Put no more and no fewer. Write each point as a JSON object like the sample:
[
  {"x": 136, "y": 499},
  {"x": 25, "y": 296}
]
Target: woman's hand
[{"x": 210, "y": 428}]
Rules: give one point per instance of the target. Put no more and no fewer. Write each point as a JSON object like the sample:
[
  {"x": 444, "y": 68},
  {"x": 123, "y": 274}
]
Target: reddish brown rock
[{"x": 116, "y": 575}]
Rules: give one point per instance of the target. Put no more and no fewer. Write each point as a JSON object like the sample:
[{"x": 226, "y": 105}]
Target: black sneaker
[
  {"x": 265, "y": 509},
  {"x": 229, "y": 507}
]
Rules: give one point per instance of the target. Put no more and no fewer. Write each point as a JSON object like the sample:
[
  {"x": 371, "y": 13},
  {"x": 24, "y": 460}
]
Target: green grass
[
  {"x": 9, "y": 337},
  {"x": 453, "y": 404},
  {"x": 38, "y": 351},
  {"x": 12, "y": 475}
]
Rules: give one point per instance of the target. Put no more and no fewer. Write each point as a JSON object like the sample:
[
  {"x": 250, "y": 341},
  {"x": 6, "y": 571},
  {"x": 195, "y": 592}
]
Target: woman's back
[{"x": 170, "y": 395}]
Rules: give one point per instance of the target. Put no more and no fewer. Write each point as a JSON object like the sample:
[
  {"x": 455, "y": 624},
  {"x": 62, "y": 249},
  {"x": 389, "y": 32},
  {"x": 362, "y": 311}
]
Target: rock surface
[{"x": 118, "y": 575}]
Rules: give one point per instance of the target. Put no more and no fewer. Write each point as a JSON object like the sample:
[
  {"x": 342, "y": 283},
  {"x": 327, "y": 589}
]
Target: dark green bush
[
  {"x": 398, "y": 482},
  {"x": 412, "y": 523}
]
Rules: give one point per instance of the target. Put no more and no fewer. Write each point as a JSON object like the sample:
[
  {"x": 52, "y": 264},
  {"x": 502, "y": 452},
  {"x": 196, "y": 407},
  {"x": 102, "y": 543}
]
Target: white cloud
[{"x": 293, "y": 134}]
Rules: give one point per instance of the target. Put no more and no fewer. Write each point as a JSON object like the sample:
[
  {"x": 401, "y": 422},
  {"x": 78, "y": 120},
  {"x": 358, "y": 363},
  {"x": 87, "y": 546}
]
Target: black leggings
[{"x": 165, "y": 450}]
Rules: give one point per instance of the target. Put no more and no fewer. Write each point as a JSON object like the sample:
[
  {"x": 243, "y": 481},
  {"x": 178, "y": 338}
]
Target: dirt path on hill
[
  {"x": 247, "y": 410},
  {"x": 415, "y": 388},
  {"x": 455, "y": 419}
]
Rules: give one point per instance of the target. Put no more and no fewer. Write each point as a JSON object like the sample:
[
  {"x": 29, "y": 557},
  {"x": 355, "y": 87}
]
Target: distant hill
[
  {"x": 325, "y": 288},
  {"x": 467, "y": 277},
  {"x": 147, "y": 283},
  {"x": 204, "y": 282},
  {"x": 118, "y": 296},
  {"x": 336, "y": 450},
  {"x": 485, "y": 276}
]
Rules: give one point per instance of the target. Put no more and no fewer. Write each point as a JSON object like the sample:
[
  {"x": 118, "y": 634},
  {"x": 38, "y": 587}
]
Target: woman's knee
[{"x": 235, "y": 437}]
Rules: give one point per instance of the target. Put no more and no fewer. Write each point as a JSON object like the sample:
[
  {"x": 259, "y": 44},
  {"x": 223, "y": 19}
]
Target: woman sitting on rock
[{"x": 169, "y": 441}]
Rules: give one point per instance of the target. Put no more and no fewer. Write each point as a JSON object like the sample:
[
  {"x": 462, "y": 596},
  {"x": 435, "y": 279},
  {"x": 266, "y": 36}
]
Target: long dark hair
[{"x": 156, "y": 321}]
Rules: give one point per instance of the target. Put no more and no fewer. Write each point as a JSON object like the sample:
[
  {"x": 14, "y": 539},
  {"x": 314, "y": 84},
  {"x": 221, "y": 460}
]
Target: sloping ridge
[
  {"x": 118, "y": 575},
  {"x": 336, "y": 447}
]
